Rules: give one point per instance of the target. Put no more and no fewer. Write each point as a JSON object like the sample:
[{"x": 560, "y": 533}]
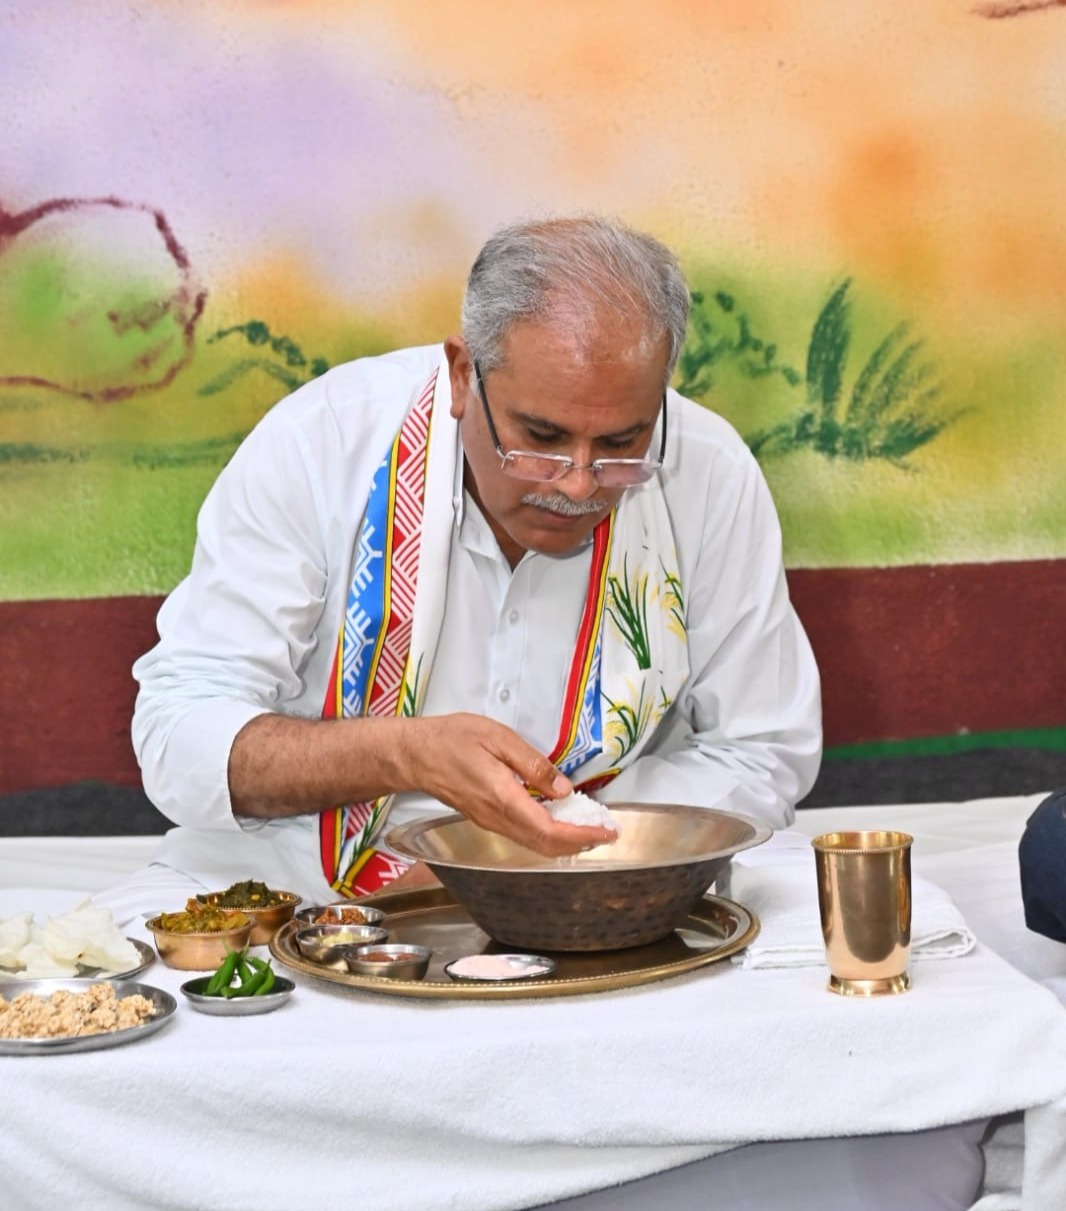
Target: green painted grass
[
  {"x": 986, "y": 484},
  {"x": 112, "y": 529},
  {"x": 98, "y": 499}
]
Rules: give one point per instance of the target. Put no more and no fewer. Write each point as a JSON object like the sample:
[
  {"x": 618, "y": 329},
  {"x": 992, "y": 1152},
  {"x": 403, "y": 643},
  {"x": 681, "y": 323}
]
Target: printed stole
[{"x": 373, "y": 669}]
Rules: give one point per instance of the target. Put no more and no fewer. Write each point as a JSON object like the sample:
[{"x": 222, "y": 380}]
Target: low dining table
[{"x": 349, "y": 1095}]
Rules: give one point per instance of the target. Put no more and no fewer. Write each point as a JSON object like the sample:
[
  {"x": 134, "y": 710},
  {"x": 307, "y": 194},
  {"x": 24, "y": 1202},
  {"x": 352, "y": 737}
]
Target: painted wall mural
[{"x": 204, "y": 205}]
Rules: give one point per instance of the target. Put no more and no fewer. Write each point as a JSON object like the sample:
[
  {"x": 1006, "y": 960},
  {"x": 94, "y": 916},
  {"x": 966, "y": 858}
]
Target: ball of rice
[{"x": 577, "y": 808}]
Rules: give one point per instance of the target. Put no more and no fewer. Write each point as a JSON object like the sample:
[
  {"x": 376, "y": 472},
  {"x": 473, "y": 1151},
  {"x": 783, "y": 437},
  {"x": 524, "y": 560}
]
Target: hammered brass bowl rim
[{"x": 398, "y": 841}]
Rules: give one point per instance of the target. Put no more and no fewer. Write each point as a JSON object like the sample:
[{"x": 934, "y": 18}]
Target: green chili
[
  {"x": 250, "y": 987},
  {"x": 251, "y": 977},
  {"x": 254, "y": 976},
  {"x": 266, "y": 974},
  {"x": 223, "y": 975}
]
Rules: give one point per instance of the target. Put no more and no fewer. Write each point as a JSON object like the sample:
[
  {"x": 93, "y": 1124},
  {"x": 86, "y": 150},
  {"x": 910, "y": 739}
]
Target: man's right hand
[
  {"x": 483, "y": 769},
  {"x": 280, "y": 766}
]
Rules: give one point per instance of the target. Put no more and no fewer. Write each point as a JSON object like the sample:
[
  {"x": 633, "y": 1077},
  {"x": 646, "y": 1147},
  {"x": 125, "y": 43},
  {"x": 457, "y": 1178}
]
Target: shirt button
[
  {"x": 505, "y": 694},
  {"x": 513, "y": 616}
]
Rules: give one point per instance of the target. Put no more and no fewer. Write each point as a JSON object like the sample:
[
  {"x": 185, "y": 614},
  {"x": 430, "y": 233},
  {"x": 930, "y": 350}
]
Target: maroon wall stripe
[
  {"x": 904, "y": 652},
  {"x": 938, "y": 650},
  {"x": 68, "y": 694}
]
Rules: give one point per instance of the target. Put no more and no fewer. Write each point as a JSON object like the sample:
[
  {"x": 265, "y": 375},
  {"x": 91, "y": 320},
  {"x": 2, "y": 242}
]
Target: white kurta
[{"x": 253, "y": 628}]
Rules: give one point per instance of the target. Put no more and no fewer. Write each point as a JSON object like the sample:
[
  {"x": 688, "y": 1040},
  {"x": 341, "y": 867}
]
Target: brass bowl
[
  {"x": 266, "y": 921},
  {"x": 631, "y": 893},
  {"x": 198, "y": 951}
]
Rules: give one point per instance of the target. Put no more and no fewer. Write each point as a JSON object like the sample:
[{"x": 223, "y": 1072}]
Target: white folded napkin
[{"x": 784, "y": 896}]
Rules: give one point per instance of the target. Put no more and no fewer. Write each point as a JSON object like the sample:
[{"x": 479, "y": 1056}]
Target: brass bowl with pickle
[
  {"x": 268, "y": 907},
  {"x": 199, "y": 937}
]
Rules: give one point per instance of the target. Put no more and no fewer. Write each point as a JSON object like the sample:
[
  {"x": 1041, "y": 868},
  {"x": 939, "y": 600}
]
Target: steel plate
[
  {"x": 164, "y": 1003},
  {"x": 145, "y": 960}
]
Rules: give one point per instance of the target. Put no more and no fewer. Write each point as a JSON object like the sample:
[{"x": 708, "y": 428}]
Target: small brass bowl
[
  {"x": 332, "y": 943},
  {"x": 405, "y": 962},
  {"x": 198, "y": 951},
  {"x": 308, "y": 916},
  {"x": 266, "y": 921}
]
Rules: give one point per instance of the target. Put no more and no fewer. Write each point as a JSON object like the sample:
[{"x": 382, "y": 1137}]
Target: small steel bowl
[
  {"x": 226, "y": 1007},
  {"x": 198, "y": 951},
  {"x": 331, "y": 943},
  {"x": 409, "y": 963},
  {"x": 266, "y": 921},
  {"x": 307, "y": 916}
]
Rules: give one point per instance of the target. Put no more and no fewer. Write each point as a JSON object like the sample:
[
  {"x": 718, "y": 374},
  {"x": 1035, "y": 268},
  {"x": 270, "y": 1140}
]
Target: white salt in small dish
[{"x": 491, "y": 968}]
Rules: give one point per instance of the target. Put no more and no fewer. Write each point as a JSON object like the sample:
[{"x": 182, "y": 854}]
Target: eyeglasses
[{"x": 549, "y": 468}]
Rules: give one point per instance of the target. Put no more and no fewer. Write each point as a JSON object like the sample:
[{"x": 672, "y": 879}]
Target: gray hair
[{"x": 574, "y": 268}]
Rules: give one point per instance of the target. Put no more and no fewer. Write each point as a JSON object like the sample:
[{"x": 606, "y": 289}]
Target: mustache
[{"x": 556, "y": 502}]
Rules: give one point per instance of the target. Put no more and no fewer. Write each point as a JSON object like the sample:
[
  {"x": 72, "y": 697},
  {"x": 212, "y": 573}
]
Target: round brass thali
[{"x": 715, "y": 929}]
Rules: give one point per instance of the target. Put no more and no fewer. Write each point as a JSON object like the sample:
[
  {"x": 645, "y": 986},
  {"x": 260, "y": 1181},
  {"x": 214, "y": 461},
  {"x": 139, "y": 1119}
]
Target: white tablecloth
[{"x": 486, "y": 1106}]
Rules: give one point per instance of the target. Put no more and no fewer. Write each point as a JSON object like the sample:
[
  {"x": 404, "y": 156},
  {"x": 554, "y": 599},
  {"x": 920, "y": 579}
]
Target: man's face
[{"x": 597, "y": 397}]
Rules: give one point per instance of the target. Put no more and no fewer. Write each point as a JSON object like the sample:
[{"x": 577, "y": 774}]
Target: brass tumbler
[{"x": 864, "y": 896}]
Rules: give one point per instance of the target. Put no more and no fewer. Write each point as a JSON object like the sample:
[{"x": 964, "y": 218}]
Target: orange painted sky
[{"x": 916, "y": 139}]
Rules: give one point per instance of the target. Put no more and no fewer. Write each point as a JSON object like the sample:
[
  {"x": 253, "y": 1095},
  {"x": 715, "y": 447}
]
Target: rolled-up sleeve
[
  {"x": 253, "y": 628},
  {"x": 236, "y": 634}
]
